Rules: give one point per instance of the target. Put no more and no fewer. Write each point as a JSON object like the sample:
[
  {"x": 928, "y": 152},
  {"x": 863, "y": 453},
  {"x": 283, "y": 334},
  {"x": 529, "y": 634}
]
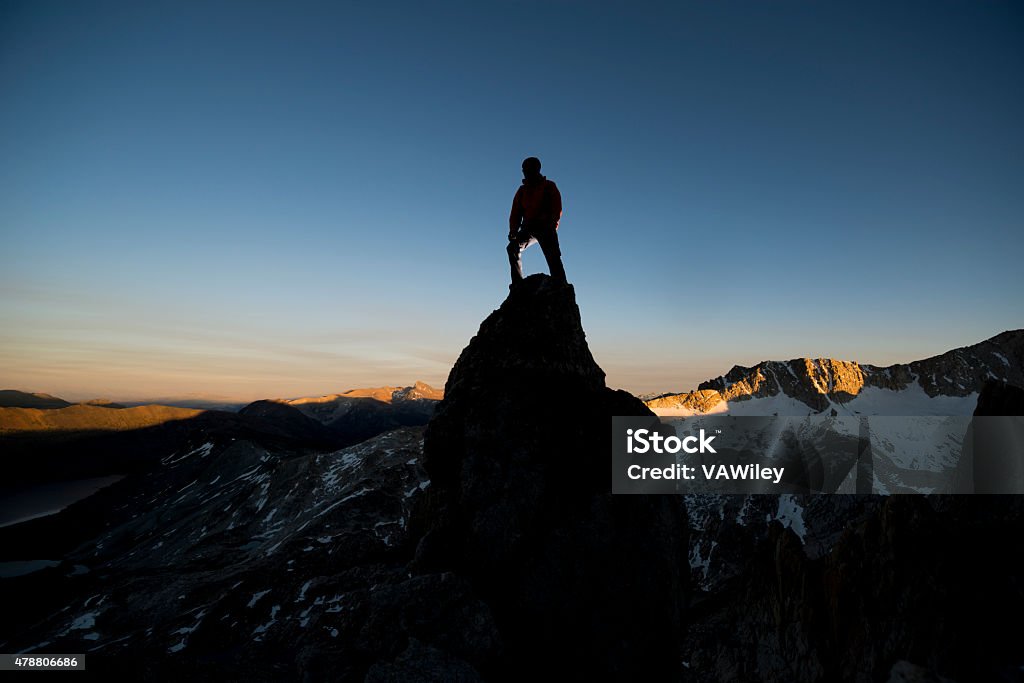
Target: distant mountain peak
[
  {"x": 385, "y": 394},
  {"x": 419, "y": 390}
]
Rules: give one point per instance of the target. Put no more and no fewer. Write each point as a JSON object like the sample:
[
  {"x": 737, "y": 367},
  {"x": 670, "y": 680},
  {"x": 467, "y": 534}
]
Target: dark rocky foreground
[
  {"x": 244, "y": 558},
  {"x": 867, "y": 588},
  {"x": 490, "y": 548},
  {"x": 581, "y": 583}
]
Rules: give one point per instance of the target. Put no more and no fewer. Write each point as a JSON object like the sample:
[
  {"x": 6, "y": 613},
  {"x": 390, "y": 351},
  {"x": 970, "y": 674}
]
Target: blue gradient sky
[{"x": 277, "y": 199}]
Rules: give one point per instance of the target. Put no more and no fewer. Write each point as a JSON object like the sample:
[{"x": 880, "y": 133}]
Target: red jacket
[{"x": 536, "y": 203}]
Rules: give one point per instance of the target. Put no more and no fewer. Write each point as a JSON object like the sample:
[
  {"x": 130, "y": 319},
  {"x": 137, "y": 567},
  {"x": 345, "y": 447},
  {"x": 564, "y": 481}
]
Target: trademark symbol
[{"x": 718, "y": 431}]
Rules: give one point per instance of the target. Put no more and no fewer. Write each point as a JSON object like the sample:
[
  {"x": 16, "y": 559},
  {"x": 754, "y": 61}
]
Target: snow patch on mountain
[
  {"x": 910, "y": 401},
  {"x": 791, "y": 514}
]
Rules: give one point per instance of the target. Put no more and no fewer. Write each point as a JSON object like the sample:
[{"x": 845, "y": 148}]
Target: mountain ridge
[
  {"x": 17, "y": 398},
  {"x": 22, "y": 411},
  {"x": 88, "y": 417},
  {"x": 385, "y": 394},
  {"x": 826, "y": 383}
]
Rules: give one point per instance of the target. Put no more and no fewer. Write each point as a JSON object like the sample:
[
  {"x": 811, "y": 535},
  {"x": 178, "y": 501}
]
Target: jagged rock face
[
  {"x": 700, "y": 401},
  {"x": 520, "y": 500},
  {"x": 962, "y": 371},
  {"x": 818, "y": 382},
  {"x": 806, "y": 379},
  {"x": 931, "y": 580},
  {"x": 535, "y": 337}
]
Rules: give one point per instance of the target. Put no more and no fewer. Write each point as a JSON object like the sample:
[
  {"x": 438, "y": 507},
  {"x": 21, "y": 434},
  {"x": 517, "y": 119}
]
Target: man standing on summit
[{"x": 536, "y": 210}]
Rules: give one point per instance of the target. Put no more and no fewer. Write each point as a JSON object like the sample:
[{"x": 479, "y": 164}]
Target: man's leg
[
  {"x": 515, "y": 254},
  {"x": 552, "y": 253}
]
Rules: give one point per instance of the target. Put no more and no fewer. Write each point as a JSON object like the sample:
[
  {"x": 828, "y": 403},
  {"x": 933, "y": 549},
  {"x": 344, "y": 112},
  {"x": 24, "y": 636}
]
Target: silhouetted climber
[{"x": 536, "y": 210}]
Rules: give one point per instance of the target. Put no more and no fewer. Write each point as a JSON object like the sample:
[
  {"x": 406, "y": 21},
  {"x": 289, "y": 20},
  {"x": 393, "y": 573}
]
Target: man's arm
[
  {"x": 554, "y": 204},
  {"x": 516, "y": 216}
]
